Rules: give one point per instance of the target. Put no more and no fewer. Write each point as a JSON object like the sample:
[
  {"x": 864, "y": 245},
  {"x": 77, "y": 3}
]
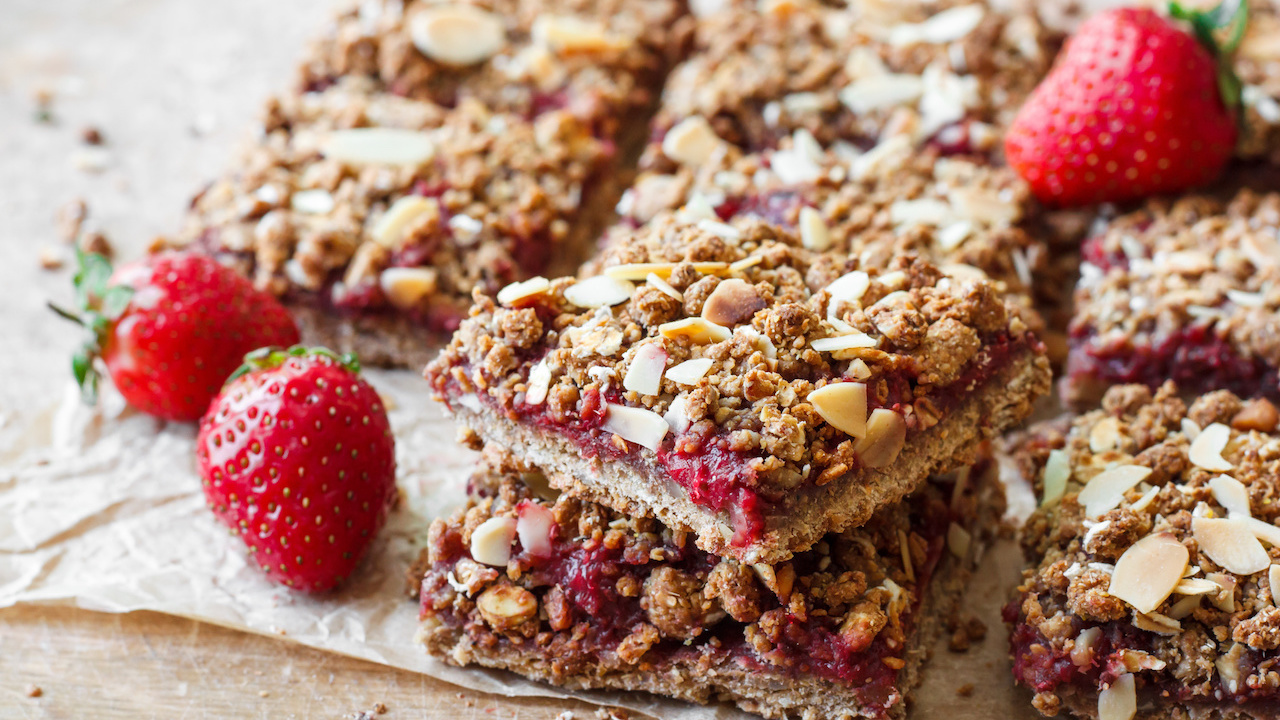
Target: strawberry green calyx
[
  {"x": 273, "y": 357},
  {"x": 98, "y": 305},
  {"x": 1231, "y": 16}
]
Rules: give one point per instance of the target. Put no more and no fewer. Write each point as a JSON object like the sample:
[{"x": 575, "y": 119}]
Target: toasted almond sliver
[
  {"x": 644, "y": 374},
  {"x": 457, "y": 34},
  {"x": 814, "y": 233},
  {"x": 642, "y": 427},
  {"x": 1190, "y": 429},
  {"x": 539, "y": 383},
  {"x": 406, "y": 287},
  {"x": 855, "y": 339},
  {"x": 664, "y": 286},
  {"x": 886, "y": 436},
  {"x": 1057, "y": 471},
  {"x": 640, "y": 271},
  {"x": 312, "y": 202},
  {"x": 843, "y": 405},
  {"x": 1106, "y": 490},
  {"x": 1206, "y": 449},
  {"x": 599, "y": 291},
  {"x": 690, "y": 372},
  {"x": 849, "y": 287},
  {"x": 1148, "y": 571},
  {"x": 1273, "y": 584},
  {"x": 1264, "y": 531},
  {"x": 944, "y": 27},
  {"x": 378, "y": 146},
  {"x": 1185, "y": 606},
  {"x": 1230, "y": 543},
  {"x": 1104, "y": 435},
  {"x": 572, "y": 34},
  {"x": 697, "y": 329},
  {"x": 959, "y": 541},
  {"x": 389, "y": 229},
  {"x": 1196, "y": 586},
  {"x": 692, "y": 141},
  {"x": 517, "y": 291},
  {"x": 1232, "y": 495},
  {"x": 1119, "y": 701},
  {"x": 491, "y": 541}
]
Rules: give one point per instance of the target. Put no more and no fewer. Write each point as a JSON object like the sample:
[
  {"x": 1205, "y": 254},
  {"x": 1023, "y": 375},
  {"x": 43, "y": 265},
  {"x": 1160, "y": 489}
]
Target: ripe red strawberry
[
  {"x": 170, "y": 329},
  {"x": 297, "y": 458},
  {"x": 1133, "y": 107}
]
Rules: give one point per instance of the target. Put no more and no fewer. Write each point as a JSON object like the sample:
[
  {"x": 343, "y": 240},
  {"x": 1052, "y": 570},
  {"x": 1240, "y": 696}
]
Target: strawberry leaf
[
  {"x": 115, "y": 300},
  {"x": 1231, "y": 16},
  {"x": 92, "y": 273},
  {"x": 86, "y": 376}
]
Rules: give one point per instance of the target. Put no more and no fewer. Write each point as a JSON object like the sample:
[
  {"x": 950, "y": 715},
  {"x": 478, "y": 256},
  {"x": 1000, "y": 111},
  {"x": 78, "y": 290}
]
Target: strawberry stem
[
  {"x": 97, "y": 306},
  {"x": 1231, "y": 15}
]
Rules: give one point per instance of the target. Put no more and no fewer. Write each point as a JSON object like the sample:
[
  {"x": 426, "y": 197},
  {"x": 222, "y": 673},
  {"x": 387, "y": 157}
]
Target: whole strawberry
[
  {"x": 170, "y": 329},
  {"x": 1134, "y": 106},
  {"x": 297, "y": 458}
]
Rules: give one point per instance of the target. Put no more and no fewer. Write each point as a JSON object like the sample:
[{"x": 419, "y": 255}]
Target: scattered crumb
[
  {"x": 70, "y": 218},
  {"x": 965, "y": 631},
  {"x": 91, "y": 135},
  {"x": 965, "y": 690},
  {"x": 34, "y": 691},
  {"x": 380, "y": 709},
  {"x": 43, "y": 98},
  {"x": 50, "y": 258},
  {"x": 92, "y": 159},
  {"x": 263, "y": 693},
  {"x": 96, "y": 242},
  {"x": 158, "y": 243}
]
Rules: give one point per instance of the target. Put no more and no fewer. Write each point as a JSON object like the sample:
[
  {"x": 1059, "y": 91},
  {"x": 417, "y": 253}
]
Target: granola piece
[
  {"x": 1148, "y": 567},
  {"x": 1184, "y": 290},
  {"x": 838, "y": 631},
  {"x": 836, "y": 391}
]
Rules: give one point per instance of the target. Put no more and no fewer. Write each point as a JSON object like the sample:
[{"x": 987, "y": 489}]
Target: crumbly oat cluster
[
  {"x": 600, "y": 590},
  {"x": 1185, "y": 290},
  {"x": 948, "y": 71},
  {"x": 1258, "y": 65},
  {"x": 807, "y": 364},
  {"x": 1157, "y": 552}
]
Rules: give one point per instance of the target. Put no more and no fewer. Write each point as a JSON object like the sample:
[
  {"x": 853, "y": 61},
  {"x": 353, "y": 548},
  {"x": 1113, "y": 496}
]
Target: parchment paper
[{"x": 100, "y": 507}]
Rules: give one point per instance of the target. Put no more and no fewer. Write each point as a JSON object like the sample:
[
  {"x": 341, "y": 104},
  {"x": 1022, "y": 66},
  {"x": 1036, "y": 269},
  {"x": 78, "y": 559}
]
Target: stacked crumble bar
[{"x": 1155, "y": 559}]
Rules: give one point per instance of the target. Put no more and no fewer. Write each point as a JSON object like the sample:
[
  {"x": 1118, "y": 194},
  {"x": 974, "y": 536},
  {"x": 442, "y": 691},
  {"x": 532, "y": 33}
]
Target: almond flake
[
  {"x": 951, "y": 236},
  {"x": 1232, "y": 495},
  {"x": 1082, "y": 650},
  {"x": 312, "y": 202},
  {"x": 690, "y": 372},
  {"x": 1196, "y": 586},
  {"x": 878, "y": 92},
  {"x": 1157, "y": 623},
  {"x": 491, "y": 541},
  {"x": 1206, "y": 449},
  {"x": 640, "y": 271},
  {"x": 458, "y": 35},
  {"x": 1264, "y": 531},
  {"x": 814, "y": 233},
  {"x": 534, "y": 525},
  {"x": 1185, "y": 606},
  {"x": 1105, "y": 435},
  {"x": 664, "y": 286},
  {"x": 1230, "y": 543},
  {"x": 1273, "y": 584},
  {"x": 843, "y": 405},
  {"x": 407, "y": 287},
  {"x": 720, "y": 230},
  {"x": 795, "y": 167},
  {"x": 844, "y": 342},
  {"x": 959, "y": 541},
  {"x": 599, "y": 291},
  {"x": 1147, "y": 498},
  {"x": 1119, "y": 700},
  {"x": 886, "y": 436},
  {"x": 692, "y": 141},
  {"x": 1106, "y": 490},
  {"x": 539, "y": 383},
  {"x": 1190, "y": 429},
  {"x": 1146, "y": 574},
  {"x": 848, "y": 288},
  {"x": 378, "y": 146},
  {"x": 1225, "y": 599},
  {"x": 571, "y": 34},
  {"x": 677, "y": 415},
  {"x": 1057, "y": 471},
  {"x": 644, "y": 375},
  {"x": 697, "y": 329},
  {"x": 925, "y": 211},
  {"x": 517, "y": 291},
  {"x": 389, "y": 230},
  {"x": 944, "y": 27},
  {"x": 1246, "y": 299},
  {"x": 642, "y": 427}
]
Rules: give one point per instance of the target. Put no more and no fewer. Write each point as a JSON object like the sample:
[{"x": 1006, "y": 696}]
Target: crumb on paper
[
  {"x": 965, "y": 631},
  {"x": 965, "y": 690},
  {"x": 91, "y": 135},
  {"x": 43, "y": 99},
  {"x": 34, "y": 691},
  {"x": 51, "y": 258},
  {"x": 263, "y": 693},
  {"x": 96, "y": 242},
  {"x": 378, "y": 708},
  {"x": 70, "y": 219}
]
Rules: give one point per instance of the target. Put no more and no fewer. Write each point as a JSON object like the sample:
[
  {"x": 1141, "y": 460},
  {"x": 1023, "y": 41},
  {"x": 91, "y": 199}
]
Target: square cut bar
[
  {"x": 571, "y": 593},
  {"x": 1155, "y": 560},
  {"x": 1184, "y": 290},
  {"x": 410, "y": 170},
  {"x": 728, "y": 381},
  {"x": 950, "y": 74}
]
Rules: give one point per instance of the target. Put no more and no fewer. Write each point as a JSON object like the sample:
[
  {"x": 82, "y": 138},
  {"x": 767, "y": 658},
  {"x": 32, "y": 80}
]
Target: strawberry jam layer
[
  {"x": 1196, "y": 358},
  {"x": 1042, "y": 669}
]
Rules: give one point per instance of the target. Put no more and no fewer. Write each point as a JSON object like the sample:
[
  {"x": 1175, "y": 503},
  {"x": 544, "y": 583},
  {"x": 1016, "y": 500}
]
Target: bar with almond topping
[
  {"x": 729, "y": 381},
  {"x": 1155, "y": 559}
]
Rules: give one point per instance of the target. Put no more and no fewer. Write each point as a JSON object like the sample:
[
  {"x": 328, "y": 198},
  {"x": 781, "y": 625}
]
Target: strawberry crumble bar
[
  {"x": 1156, "y": 560},
  {"x": 731, "y": 382},
  {"x": 1185, "y": 290},
  {"x": 569, "y": 592},
  {"x": 434, "y": 149},
  {"x": 946, "y": 73}
]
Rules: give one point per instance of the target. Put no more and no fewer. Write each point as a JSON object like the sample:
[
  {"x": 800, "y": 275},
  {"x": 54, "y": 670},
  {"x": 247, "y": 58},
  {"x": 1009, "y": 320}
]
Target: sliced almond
[
  {"x": 1232, "y": 495},
  {"x": 491, "y": 541},
  {"x": 677, "y": 415},
  {"x": 572, "y": 34},
  {"x": 690, "y": 372},
  {"x": 1157, "y": 623},
  {"x": 733, "y": 302},
  {"x": 539, "y": 383},
  {"x": 1106, "y": 490},
  {"x": 378, "y": 146},
  {"x": 599, "y": 291},
  {"x": 878, "y": 92},
  {"x": 533, "y": 526},
  {"x": 406, "y": 288},
  {"x": 518, "y": 291},
  {"x": 843, "y": 405},
  {"x": 1105, "y": 434},
  {"x": 1206, "y": 449},
  {"x": 692, "y": 141},
  {"x": 944, "y": 27},
  {"x": 1190, "y": 429},
  {"x": 457, "y": 34},
  {"x": 642, "y": 427},
  {"x": 1083, "y": 649},
  {"x": 1196, "y": 586},
  {"x": 506, "y": 607},
  {"x": 1225, "y": 599},
  {"x": 1186, "y": 606},
  {"x": 1273, "y": 584},
  {"x": 959, "y": 541},
  {"x": 1057, "y": 471},
  {"x": 852, "y": 340},
  {"x": 644, "y": 374},
  {"x": 849, "y": 288},
  {"x": 745, "y": 263},
  {"x": 312, "y": 202},
  {"x": 814, "y": 233},
  {"x": 640, "y": 271},
  {"x": 699, "y": 330},
  {"x": 886, "y": 436},
  {"x": 1230, "y": 543},
  {"x": 1148, "y": 571},
  {"x": 389, "y": 230},
  {"x": 664, "y": 286},
  {"x": 1264, "y": 531},
  {"x": 1119, "y": 700}
]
